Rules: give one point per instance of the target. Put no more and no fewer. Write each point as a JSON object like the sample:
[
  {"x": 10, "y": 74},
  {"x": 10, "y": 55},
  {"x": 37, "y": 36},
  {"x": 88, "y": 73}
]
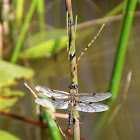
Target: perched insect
[{"x": 83, "y": 102}]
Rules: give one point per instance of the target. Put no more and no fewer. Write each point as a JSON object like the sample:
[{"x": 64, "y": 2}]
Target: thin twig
[
  {"x": 23, "y": 119},
  {"x": 60, "y": 115},
  {"x": 127, "y": 84},
  {"x": 98, "y": 21},
  {"x": 47, "y": 111},
  {"x": 86, "y": 48}
]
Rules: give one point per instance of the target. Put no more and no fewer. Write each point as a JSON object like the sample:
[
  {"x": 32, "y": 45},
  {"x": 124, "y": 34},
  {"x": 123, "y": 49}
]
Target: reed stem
[
  {"x": 40, "y": 13},
  {"x": 119, "y": 60},
  {"x": 72, "y": 56},
  {"x": 19, "y": 12},
  {"x": 122, "y": 46},
  {"x": 23, "y": 32},
  {"x": 55, "y": 135}
]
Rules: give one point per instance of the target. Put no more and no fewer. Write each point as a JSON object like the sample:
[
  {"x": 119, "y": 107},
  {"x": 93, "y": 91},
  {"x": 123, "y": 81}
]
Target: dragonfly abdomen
[
  {"x": 70, "y": 120},
  {"x": 71, "y": 111}
]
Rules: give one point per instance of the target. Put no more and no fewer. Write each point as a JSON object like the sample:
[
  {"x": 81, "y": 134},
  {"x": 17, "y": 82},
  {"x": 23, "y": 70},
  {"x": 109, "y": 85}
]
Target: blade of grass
[
  {"x": 40, "y": 13},
  {"x": 19, "y": 12},
  {"x": 117, "y": 70},
  {"x": 55, "y": 135},
  {"x": 116, "y": 10},
  {"x": 23, "y": 31},
  {"x": 86, "y": 48},
  {"x": 122, "y": 45}
]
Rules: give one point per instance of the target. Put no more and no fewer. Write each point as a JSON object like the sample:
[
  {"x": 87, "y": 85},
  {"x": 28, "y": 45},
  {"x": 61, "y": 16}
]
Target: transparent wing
[
  {"x": 94, "y": 97},
  {"x": 57, "y": 103},
  {"x": 55, "y": 93},
  {"x": 91, "y": 107}
]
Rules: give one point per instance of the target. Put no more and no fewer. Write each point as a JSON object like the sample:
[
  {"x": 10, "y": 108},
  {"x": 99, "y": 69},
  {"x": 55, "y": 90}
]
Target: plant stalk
[
  {"x": 23, "y": 32},
  {"x": 119, "y": 60},
  {"x": 40, "y": 13},
  {"x": 55, "y": 135},
  {"x": 122, "y": 46},
  {"x": 72, "y": 56},
  {"x": 19, "y": 12}
]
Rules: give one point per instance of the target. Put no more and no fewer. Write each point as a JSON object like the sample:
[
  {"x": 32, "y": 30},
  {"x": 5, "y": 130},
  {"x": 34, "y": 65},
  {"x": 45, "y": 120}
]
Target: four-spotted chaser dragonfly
[{"x": 82, "y": 102}]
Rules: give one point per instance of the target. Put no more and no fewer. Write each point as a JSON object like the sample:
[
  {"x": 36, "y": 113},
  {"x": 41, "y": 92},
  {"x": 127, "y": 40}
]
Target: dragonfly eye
[
  {"x": 72, "y": 55},
  {"x": 73, "y": 86}
]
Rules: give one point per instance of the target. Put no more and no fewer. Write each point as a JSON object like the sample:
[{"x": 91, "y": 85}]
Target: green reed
[
  {"x": 122, "y": 46},
  {"x": 23, "y": 32},
  {"x": 119, "y": 60}
]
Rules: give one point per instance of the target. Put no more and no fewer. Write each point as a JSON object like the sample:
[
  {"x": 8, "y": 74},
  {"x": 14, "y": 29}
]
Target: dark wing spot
[
  {"x": 94, "y": 94},
  {"x": 75, "y": 103},
  {"x": 79, "y": 101},
  {"x": 90, "y": 102},
  {"x": 53, "y": 98}
]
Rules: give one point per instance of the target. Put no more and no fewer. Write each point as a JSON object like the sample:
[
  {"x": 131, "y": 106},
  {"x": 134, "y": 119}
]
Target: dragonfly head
[
  {"x": 73, "y": 89},
  {"x": 73, "y": 86}
]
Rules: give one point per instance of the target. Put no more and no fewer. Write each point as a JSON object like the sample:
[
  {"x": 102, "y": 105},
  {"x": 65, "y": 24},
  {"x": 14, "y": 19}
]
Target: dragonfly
[{"x": 71, "y": 100}]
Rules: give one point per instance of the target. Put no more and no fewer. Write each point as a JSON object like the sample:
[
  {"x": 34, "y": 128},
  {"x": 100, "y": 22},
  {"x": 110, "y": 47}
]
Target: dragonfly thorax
[{"x": 72, "y": 96}]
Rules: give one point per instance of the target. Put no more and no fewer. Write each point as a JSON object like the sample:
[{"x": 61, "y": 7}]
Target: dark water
[{"x": 94, "y": 73}]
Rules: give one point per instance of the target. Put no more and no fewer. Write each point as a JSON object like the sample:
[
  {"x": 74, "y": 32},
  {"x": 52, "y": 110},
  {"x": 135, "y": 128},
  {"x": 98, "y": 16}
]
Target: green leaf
[
  {"x": 55, "y": 134},
  {"x": 6, "y": 103},
  {"x": 7, "y": 136},
  {"x": 8, "y": 97},
  {"x": 10, "y": 72},
  {"x": 45, "y": 43},
  {"x": 6, "y": 92}
]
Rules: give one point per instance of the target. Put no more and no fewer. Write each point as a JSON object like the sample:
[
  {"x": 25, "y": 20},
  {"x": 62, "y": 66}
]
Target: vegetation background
[{"x": 33, "y": 41}]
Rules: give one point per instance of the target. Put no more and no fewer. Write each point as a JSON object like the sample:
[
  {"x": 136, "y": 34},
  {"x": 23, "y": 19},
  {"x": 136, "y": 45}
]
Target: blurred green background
[{"x": 39, "y": 34}]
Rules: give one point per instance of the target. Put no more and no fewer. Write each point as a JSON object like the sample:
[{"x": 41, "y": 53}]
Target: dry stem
[{"x": 47, "y": 111}]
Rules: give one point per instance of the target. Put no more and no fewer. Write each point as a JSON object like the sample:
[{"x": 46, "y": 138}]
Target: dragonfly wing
[
  {"x": 55, "y": 103},
  {"x": 91, "y": 107},
  {"x": 94, "y": 97},
  {"x": 49, "y": 92}
]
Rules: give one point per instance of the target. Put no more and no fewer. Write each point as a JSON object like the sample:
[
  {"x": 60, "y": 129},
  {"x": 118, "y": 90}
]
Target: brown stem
[
  {"x": 72, "y": 53},
  {"x": 71, "y": 43},
  {"x": 23, "y": 119},
  {"x": 99, "y": 21},
  {"x": 5, "y": 13},
  {"x": 127, "y": 84},
  {"x": 47, "y": 111}
]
